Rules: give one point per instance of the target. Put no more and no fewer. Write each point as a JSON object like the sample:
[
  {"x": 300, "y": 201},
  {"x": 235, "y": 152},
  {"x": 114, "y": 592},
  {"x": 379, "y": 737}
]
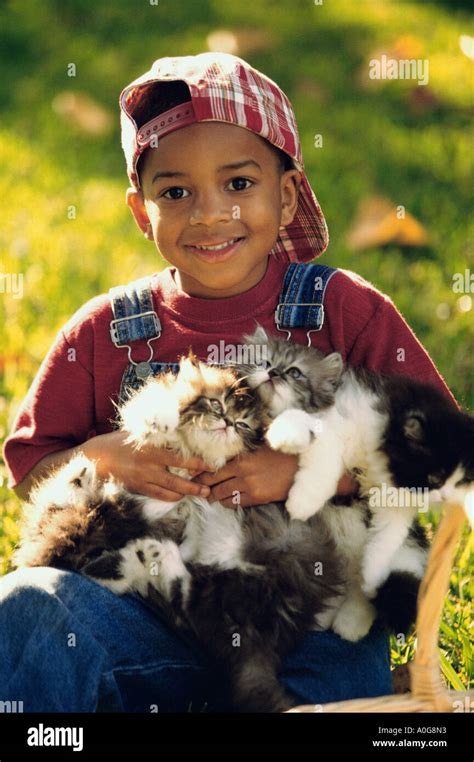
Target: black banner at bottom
[{"x": 84, "y": 736}]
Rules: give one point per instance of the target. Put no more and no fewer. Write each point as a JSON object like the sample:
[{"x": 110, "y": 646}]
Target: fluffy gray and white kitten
[
  {"x": 247, "y": 582},
  {"x": 390, "y": 431}
]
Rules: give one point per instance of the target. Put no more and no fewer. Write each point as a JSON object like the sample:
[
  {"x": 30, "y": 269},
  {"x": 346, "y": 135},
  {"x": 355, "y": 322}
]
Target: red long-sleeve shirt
[{"x": 71, "y": 396}]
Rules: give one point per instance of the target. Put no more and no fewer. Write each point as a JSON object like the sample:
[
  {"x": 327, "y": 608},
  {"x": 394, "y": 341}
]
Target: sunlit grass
[{"x": 65, "y": 227}]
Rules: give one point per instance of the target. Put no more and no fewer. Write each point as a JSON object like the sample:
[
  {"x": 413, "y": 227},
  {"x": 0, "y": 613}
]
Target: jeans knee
[{"x": 25, "y": 592}]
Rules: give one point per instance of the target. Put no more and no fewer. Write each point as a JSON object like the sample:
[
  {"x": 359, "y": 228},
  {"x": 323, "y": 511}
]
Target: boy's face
[{"x": 208, "y": 184}]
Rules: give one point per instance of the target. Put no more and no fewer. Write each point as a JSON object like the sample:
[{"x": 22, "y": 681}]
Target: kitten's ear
[
  {"x": 414, "y": 427},
  {"x": 192, "y": 358},
  {"x": 331, "y": 370},
  {"x": 259, "y": 337},
  {"x": 189, "y": 369}
]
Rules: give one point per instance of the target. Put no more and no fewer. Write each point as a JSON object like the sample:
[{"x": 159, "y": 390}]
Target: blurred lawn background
[{"x": 60, "y": 154}]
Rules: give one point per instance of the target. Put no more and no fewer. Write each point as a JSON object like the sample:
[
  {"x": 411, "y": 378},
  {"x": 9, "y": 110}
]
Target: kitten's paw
[
  {"x": 164, "y": 564},
  {"x": 291, "y": 432},
  {"x": 80, "y": 480},
  {"x": 298, "y": 507},
  {"x": 354, "y": 619},
  {"x": 164, "y": 422},
  {"x": 151, "y": 416},
  {"x": 372, "y": 577}
]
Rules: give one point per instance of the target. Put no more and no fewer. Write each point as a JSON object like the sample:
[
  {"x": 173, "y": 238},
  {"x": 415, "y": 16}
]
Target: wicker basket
[{"x": 428, "y": 692}]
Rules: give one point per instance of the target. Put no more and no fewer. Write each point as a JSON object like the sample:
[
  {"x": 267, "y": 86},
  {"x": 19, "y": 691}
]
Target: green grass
[{"x": 374, "y": 143}]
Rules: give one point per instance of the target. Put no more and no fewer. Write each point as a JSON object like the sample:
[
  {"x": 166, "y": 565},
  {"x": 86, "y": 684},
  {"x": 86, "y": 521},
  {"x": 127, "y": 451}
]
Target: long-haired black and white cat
[
  {"x": 389, "y": 430},
  {"x": 222, "y": 573}
]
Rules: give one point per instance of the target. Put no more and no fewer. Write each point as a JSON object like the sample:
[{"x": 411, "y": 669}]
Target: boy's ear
[
  {"x": 290, "y": 187},
  {"x": 136, "y": 204}
]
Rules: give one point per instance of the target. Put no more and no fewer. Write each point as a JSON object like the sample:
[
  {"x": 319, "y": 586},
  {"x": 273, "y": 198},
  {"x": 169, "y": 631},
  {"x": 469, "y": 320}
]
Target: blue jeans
[{"x": 69, "y": 645}]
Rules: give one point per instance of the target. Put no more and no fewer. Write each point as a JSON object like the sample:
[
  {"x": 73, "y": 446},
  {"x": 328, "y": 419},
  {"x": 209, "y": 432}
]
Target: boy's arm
[
  {"x": 56, "y": 415},
  {"x": 56, "y": 420},
  {"x": 388, "y": 345},
  {"x": 144, "y": 472}
]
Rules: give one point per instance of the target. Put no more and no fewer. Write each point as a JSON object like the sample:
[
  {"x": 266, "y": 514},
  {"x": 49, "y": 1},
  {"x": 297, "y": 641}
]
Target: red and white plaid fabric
[{"x": 225, "y": 88}]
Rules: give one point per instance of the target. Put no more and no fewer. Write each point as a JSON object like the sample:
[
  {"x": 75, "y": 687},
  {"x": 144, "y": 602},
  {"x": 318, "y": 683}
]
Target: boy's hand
[
  {"x": 143, "y": 471},
  {"x": 258, "y": 478}
]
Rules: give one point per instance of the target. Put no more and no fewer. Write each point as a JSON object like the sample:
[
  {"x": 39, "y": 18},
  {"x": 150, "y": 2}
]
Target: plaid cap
[{"x": 226, "y": 88}]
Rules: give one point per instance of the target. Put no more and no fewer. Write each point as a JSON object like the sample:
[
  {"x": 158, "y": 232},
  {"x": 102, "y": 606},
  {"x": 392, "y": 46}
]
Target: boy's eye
[
  {"x": 294, "y": 372},
  {"x": 176, "y": 193},
  {"x": 239, "y": 183}
]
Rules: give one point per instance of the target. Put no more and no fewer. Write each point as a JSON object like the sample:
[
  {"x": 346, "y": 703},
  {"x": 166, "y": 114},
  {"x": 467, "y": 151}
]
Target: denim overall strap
[
  {"x": 301, "y": 302},
  {"x": 135, "y": 320}
]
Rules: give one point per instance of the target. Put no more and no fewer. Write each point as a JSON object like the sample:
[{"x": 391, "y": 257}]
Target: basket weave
[{"x": 428, "y": 692}]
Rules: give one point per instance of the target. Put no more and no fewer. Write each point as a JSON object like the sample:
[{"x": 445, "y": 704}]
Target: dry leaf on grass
[
  {"x": 240, "y": 42},
  {"x": 380, "y": 222},
  {"x": 83, "y": 112},
  {"x": 407, "y": 47}
]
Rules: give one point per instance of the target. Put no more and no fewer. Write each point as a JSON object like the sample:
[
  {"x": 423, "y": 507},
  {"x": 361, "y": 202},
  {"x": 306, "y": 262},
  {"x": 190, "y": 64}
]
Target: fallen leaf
[
  {"x": 84, "y": 112},
  {"x": 423, "y": 100},
  {"x": 309, "y": 88},
  {"x": 241, "y": 41},
  {"x": 222, "y": 41},
  {"x": 406, "y": 47},
  {"x": 380, "y": 222},
  {"x": 466, "y": 44}
]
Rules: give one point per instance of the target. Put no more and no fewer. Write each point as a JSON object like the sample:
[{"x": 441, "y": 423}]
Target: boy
[{"x": 217, "y": 177}]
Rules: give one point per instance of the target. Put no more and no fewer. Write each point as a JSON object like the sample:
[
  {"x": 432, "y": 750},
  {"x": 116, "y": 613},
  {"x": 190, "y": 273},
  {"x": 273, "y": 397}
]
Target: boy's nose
[{"x": 210, "y": 210}]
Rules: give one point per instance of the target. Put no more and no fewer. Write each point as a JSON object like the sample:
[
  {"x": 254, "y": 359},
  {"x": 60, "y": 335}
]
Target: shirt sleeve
[
  {"x": 57, "y": 412},
  {"x": 388, "y": 345}
]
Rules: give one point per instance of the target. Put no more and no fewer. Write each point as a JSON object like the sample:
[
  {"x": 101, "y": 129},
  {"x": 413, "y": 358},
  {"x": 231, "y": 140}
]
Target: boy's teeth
[{"x": 218, "y": 246}]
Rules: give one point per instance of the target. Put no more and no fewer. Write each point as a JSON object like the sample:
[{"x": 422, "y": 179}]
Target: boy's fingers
[
  {"x": 224, "y": 473},
  {"x": 226, "y": 490},
  {"x": 176, "y": 484},
  {"x": 158, "y": 493},
  {"x": 192, "y": 464}
]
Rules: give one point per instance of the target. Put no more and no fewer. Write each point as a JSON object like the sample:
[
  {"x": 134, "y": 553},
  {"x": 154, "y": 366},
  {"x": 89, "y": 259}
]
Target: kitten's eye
[
  {"x": 464, "y": 481},
  {"x": 216, "y": 406},
  {"x": 242, "y": 425},
  {"x": 435, "y": 481},
  {"x": 294, "y": 372}
]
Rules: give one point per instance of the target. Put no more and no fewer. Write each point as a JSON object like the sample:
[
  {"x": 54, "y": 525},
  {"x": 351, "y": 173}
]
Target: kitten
[
  {"x": 246, "y": 582},
  {"x": 391, "y": 431}
]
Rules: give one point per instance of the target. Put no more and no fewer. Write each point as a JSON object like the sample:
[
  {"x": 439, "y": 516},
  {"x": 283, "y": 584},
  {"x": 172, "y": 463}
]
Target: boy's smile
[{"x": 213, "y": 198}]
